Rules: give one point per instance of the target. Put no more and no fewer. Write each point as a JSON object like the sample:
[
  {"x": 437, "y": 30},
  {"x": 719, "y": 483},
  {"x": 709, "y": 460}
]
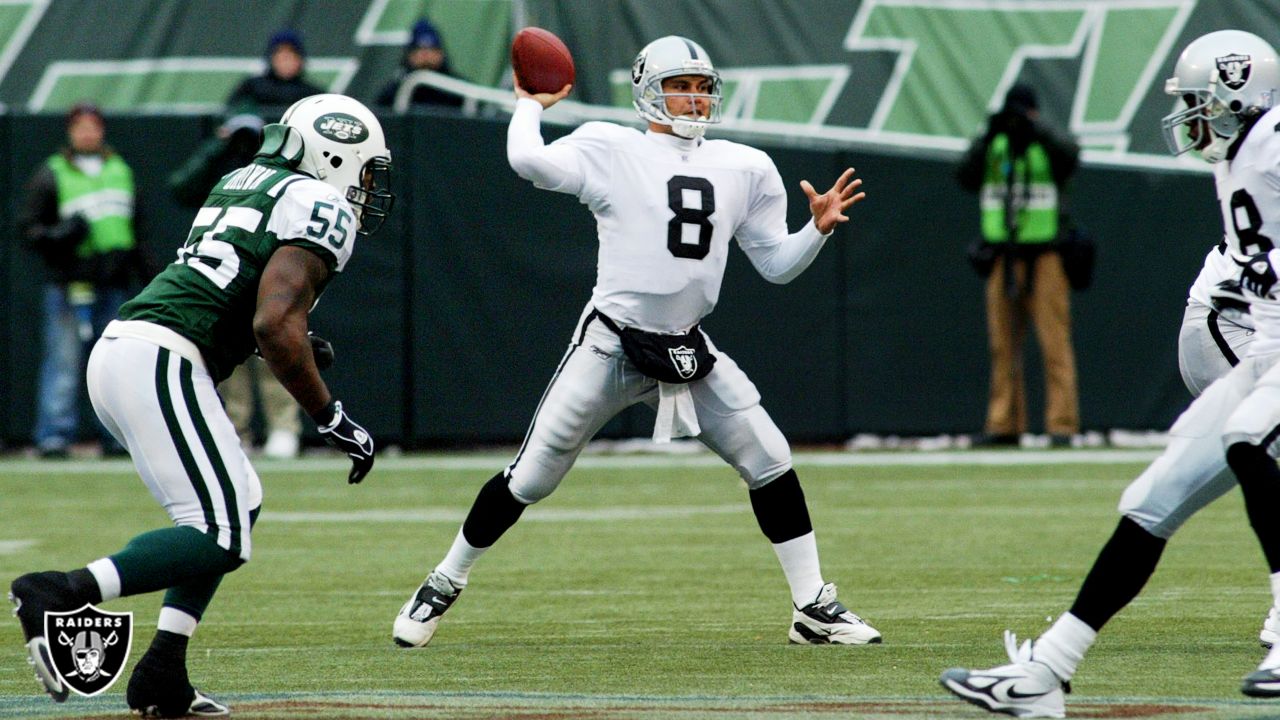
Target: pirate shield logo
[
  {"x": 684, "y": 361},
  {"x": 89, "y": 646},
  {"x": 1233, "y": 70}
]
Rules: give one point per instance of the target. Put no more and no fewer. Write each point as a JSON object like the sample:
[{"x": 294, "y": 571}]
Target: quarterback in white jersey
[
  {"x": 667, "y": 202},
  {"x": 1227, "y": 83}
]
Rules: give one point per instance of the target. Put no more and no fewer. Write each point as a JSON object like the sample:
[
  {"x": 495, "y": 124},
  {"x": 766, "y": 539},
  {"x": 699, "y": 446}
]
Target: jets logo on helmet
[
  {"x": 1220, "y": 80},
  {"x": 668, "y": 57},
  {"x": 1233, "y": 70},
  {"x": 337, "y": 140},
  {"x": 341, "y": 127}
]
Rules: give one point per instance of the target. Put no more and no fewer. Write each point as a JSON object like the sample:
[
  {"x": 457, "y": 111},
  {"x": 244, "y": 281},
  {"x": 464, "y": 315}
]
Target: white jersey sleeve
[
  {"x": 577, "y": 164},
  {"x": 313, "y": 215},
  {"x": 779, "y": 257}
]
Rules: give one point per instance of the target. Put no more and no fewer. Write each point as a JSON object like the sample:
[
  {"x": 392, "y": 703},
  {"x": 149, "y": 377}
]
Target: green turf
[{"x": 650, "y": 593}]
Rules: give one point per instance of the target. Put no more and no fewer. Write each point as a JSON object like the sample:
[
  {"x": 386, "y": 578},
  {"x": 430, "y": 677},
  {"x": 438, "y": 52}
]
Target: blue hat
[
  {"x": 424, "y": 34},
  {"x": 285, "y": 37}
]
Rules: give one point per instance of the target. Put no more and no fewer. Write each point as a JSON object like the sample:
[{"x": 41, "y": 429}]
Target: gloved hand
[
  {"x": 1257, "y": 276},
  {"x": 340, "y": 431},
  {"x": 322, "y": 350}
]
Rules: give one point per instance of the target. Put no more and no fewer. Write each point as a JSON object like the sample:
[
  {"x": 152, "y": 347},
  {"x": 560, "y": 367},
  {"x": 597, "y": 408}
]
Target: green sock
[
  {"x": 193, "y": 596},
  {"x": 171, "y": 557}
]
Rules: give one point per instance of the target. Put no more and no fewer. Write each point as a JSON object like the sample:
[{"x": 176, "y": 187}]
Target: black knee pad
[{"x": 780, "y": 508}]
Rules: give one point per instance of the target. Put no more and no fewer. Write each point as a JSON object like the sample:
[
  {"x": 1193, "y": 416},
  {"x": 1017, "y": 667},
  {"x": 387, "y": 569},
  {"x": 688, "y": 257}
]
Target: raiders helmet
[
  {"x": 666, "y": 57},
  {"x": 337, "y": 140},
  {"x": 1220, "y": 78}
]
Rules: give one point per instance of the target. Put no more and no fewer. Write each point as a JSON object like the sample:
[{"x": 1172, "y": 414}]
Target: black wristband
[{"x": 325, "y": 416}]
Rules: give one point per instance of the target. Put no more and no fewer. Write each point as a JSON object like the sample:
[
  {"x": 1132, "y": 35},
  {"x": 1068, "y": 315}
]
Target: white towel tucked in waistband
[{"x": 677, "y": 416}]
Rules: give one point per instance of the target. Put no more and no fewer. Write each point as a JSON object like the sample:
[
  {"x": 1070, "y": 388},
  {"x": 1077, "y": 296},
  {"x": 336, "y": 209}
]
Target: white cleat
[
  {"x": 1024, "y": 688},
  {"x": 1265, "y": 681},
  {"x": 827, "y": 622},
  {"x": 1270, "y": 635},
  {"x": 417, "y": 621}
]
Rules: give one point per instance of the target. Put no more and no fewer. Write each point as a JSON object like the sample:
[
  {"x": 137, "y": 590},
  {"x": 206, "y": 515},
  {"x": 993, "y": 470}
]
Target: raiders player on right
[
  {"x": 1228, "y": 83},
  {"x": 667, "y": 203}
]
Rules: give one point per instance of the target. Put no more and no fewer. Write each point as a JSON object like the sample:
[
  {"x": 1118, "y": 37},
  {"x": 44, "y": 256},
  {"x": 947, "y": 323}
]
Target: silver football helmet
[
  {"x": 1219, "y": 78},
  {"x": 337, "y": 140},
  {"x": 667, "y": 57}
]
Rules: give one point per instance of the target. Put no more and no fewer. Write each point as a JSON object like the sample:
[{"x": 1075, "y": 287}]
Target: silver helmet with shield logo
[
  {"x": 1219, "y": 79},
  {"x": 667, "y": 57},
  {"x": 339, "y": 141}
]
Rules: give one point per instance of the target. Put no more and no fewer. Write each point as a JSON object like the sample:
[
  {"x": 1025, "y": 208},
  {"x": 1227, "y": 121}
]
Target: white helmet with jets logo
[
  {"x": 337, "y": 140},
  {"x": 1220, "y": 79},
  {"x": 667, "y": 57}
]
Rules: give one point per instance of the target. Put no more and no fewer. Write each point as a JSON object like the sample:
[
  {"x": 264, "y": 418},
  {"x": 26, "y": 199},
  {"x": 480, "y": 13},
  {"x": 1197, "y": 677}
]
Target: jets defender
[
  {"x": 666, "y": 202},
  {"x": 1227, "y": 83},
  {"x": 269, "y": 238}
]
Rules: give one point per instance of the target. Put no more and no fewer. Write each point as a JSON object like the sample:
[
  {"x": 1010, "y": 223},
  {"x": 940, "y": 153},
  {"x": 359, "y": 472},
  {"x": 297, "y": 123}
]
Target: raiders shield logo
[
  {"x": 89, "y": 647},
  {"x": 1233, "y": 70},
  {"x": 684, "y": 361}
]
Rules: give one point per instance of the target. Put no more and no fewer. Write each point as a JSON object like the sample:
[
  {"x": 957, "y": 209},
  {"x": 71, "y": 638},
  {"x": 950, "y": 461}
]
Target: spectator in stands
[
  {"x": 1019, "y": 167},
  {"x": 423, "y": 52},
  {"x": 232, "y": 147},
  {"x": 78, "y": 216},
  {"x": 282, "y": 84}
]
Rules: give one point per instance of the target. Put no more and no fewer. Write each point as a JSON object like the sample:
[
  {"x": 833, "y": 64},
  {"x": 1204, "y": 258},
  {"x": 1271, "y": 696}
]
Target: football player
[
  {"x": 667, "y": 202},
  {"x": 1228, "y": 83},
  {"x": 269, "y": 238}
]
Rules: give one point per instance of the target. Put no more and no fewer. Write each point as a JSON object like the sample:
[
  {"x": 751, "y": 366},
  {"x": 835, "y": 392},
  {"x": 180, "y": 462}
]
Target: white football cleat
[
  {"x": 827, "y": 622},
  {"x": 1270, "y": 635},
  {"x": 1265, "y": 681},
  {"x": 417, "y": 621},
  {"x": 1024, "y": 688}
]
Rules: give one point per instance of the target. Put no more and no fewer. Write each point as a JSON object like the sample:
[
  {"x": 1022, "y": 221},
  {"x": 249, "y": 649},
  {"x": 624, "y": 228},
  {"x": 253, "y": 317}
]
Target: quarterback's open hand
[
  {"x": 342, "y": 432},
  {"x": 829, "y": 207}
]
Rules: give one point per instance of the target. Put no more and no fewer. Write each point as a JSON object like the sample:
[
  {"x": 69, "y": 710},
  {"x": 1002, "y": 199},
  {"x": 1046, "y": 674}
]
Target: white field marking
[
  {"x": 468, "y": 462},
  {"x": 533, "y": 514},
  {"x": 13, "y": 547}
]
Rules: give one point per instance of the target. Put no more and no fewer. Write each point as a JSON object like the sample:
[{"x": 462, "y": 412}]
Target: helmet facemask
[
  {"x": 373, "y": 200},
  {"x": 1206, "y": 123},
  {"x": 669, "y": 57},
  {"x": 655, "y": 101}
]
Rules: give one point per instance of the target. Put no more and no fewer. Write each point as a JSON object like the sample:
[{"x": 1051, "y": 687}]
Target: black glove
[
  {"x": 341, "y": 432},
  {"x": 322, "y": 350},
  {"x": 1258, "y": 276}
]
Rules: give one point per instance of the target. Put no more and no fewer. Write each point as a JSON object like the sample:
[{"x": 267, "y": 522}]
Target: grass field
[{"x": 643, "y": 589}]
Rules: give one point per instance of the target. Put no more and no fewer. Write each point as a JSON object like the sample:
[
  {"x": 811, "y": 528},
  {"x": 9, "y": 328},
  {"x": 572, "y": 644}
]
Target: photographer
[{"x": 1019, "y": 168}]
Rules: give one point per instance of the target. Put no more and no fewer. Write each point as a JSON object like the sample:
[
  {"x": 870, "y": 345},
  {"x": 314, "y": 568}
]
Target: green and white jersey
[{"x": 210, "y": 293}]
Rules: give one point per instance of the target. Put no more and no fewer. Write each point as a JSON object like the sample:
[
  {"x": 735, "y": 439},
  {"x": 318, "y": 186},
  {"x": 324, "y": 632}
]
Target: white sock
[
  {"x": 108, "y": 577},
  {"x": 456, "y": 565},
  {"x": 1063, "y": 646},
  {"x": 177, "y": 621},
  {"x": 1275, "y": 589},
  {"x": 799, "y": 558}
]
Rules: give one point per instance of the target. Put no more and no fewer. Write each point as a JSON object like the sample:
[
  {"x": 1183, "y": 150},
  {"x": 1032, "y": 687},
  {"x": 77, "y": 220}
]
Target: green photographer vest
[
  {"x": 105, "y": 201},
  {"x": 1035, "y": 196}
]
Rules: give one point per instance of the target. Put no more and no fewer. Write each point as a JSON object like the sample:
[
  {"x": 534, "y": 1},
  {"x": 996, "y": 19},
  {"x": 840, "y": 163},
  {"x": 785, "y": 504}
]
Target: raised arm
[{"x": 548, "y": 167}]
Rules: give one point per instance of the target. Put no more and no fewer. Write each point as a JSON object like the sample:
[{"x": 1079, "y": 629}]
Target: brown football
[{"x": 541, "y": 61}]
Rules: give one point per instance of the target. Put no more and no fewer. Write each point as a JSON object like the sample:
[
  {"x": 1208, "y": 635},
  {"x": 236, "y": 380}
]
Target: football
[{"x": 541, "y": 61}]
